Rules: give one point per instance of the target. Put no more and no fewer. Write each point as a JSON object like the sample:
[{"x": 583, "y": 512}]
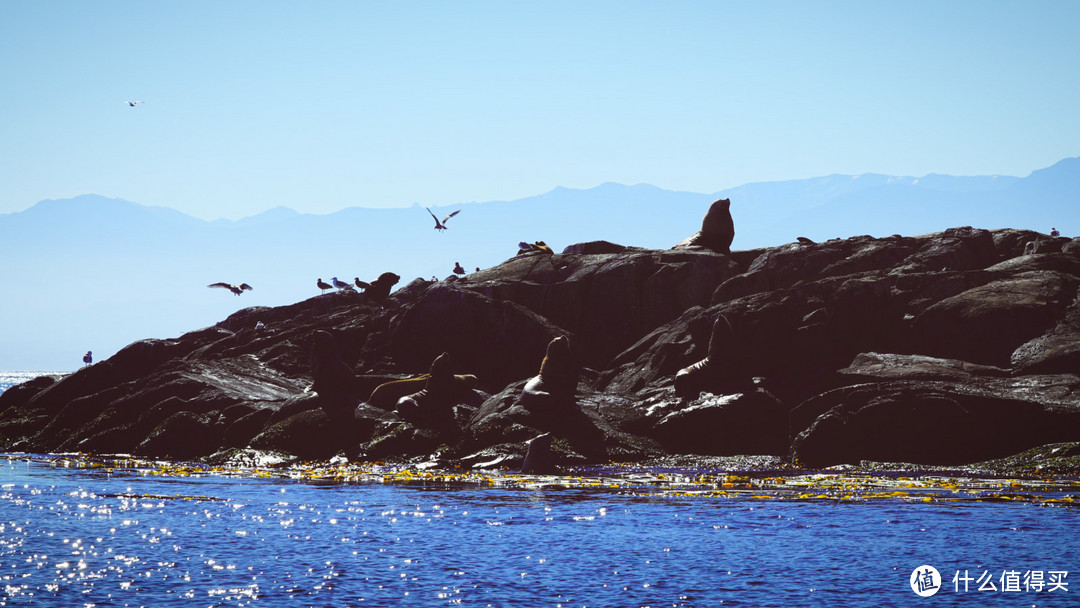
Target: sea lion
[
  {"x": 558, "y": 376},
  {"x": 719, "y": 370},
  {"x": 539, "y": 457},
  {"x": 386, "y": 395},
  {"x": 717, "y": 229},
  {"x": 540, "y": 246},
  {"x": 432, "y": 406},
  {"x": 378, "y": 290}
]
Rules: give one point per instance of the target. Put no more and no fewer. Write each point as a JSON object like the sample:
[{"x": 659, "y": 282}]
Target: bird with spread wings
[
  {"x": 442, "y": 225},
  {"x": 236, "y": 289}
]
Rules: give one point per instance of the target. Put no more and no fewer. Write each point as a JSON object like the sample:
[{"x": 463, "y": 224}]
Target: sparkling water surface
[
  {"x": 9, "y": 379},
  {"x": 109, "y": 537}
]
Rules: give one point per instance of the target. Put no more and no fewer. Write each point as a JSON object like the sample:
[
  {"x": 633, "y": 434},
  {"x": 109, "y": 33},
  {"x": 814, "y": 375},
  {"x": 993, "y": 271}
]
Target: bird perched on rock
[
  {"x": 458, "y": 269},
  {"x": 340, "y": 284},
  {"x": 236, "y": 289},
  {"x": 442, "y": 225},
  {"x": 88, "y": 358},
  {"x": 322, "y": 285},
  {"x": 132, "y": 103},
  {"x": 1054, "y": 232}
]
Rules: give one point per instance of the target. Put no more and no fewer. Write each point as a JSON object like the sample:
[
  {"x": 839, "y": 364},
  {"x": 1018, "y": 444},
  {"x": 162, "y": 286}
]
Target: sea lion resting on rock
[
  {"x": 719, "y": 370},
  {"x": 557, "y": 379},
  {"x": 386, "y": 395},
  {"x": 540, "y": 246},
  {"x": 378, "y": 290},
  {"x": 717, "y": 229},
  {"x": 432, "y": 406}
]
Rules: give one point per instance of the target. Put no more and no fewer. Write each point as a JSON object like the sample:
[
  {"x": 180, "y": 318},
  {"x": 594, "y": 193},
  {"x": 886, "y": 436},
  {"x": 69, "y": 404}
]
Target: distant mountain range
[{"x": 93, "y": 273}]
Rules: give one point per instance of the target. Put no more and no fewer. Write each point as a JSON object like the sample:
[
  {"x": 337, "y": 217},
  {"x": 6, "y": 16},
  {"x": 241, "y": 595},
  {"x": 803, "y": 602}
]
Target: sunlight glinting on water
[{"x": 97, "y": 537}]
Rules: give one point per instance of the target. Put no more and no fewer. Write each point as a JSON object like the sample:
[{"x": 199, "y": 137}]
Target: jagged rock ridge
[{"x": 945, "y": 348}]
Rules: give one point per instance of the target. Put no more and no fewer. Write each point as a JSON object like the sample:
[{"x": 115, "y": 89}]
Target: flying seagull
[
  {"x": 88, "y": 358},
  {"x": 442, "y": 225},
  {"x": 132, "y": 103},
  {"x": 236, "y": 289},
  {"x": 322, "y": 285}
]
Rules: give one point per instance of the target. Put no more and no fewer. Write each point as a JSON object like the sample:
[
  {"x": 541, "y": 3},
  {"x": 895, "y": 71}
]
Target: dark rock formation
[{"x": 943, "y": 348}]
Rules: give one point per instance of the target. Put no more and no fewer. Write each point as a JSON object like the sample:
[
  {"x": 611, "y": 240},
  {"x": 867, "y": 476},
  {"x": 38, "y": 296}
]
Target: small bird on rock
[
  {"x": 88, "y": 358},
  {"x": 323, "y": 285}
]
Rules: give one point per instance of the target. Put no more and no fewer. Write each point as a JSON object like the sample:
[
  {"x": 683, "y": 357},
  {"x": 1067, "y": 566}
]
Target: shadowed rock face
[{"x": 939, "y": 349}]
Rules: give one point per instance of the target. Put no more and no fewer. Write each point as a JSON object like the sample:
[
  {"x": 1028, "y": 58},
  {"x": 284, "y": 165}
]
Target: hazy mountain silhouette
[{"x": 97, "y": 273}]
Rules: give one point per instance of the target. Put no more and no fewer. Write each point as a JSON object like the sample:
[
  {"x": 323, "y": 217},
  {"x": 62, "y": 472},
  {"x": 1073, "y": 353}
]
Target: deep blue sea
[
  {"x": 162, "y": 535},
  {"x": 89, "y": 537}
]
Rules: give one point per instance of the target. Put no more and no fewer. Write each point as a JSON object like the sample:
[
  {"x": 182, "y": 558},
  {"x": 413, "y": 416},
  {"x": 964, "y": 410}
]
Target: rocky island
[{"x": 941, "y": 349}]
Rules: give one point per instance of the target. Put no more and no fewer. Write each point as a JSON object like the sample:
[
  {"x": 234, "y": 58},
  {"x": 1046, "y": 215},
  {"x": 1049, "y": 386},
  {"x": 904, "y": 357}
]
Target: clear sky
[{"x": 324, "y": 105}]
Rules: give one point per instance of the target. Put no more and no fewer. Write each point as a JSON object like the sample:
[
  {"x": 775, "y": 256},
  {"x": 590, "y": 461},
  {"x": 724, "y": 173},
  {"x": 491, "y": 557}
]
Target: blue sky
[{"x": 324, "y": 105}]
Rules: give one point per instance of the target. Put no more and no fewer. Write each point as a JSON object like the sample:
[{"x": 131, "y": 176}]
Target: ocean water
[
  {"x": 122, "y": 535},
  {"x": 9, "y": 379}
]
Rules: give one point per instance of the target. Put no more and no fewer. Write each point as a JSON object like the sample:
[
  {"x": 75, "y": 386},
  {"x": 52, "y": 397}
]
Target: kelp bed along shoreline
[{"x": 748, "y": 478}]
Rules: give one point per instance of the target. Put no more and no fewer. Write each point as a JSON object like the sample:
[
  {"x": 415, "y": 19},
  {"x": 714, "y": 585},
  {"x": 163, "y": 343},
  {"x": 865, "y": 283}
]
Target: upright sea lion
[
  {"x": 719, "y": 370},
  {"x": 558, "y": 376},
  {"x": 432, "y": 406},
  {"x": 539, "y": 457},
  {"x": 717, "y": 229}
]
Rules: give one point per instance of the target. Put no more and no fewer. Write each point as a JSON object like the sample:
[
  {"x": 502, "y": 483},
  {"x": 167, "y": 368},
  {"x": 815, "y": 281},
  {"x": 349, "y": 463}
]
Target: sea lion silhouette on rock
[
  {"x": 554, "y": 386},
  {"x": 432, "y": 406},
  {"x": 539, "y": 457},
  {"x": 717, "y": 229},
  {"x": 378, "y": 290},
  {"x": 721, "y": 370},
  {"x": 540, "y": 246},
  {"x": 386, "y": 395}
]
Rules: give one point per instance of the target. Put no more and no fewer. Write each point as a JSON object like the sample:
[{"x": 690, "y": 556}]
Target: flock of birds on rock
[{"x": 335, "y": 283}]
